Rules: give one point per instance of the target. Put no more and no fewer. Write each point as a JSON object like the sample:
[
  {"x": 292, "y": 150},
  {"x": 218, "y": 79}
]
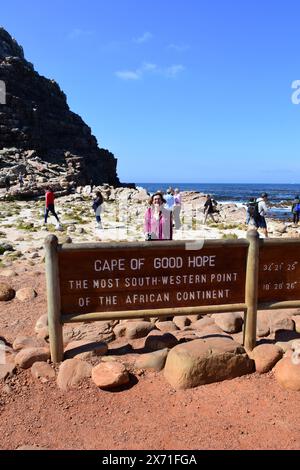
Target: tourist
[
  {"x": 50, "y": 204},
  {"x": 7, "y": 183},
  {"x": 263, "y": 211},
  {"x": 210, "y": 207},
  {"x": 252, "y": 215},
  {"x": 169, "y": 198},
  {"x": 21, "y": 180},
  {"x": 97, "y": 206},
  {"x": 177, "y": 209},
  {"x": 296, "y": 210},
  {"x": 158, "y": 220}
]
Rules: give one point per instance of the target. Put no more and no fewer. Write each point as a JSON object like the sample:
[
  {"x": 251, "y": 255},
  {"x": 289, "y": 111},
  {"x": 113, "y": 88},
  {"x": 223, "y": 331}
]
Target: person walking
[
  {"x": 210, "y": 207},
  {"x": 262, "y": 213},
  {"x": 21, "y": 180},
  {"x": 177, "y": 209},
  {"x": 7, "y": 183},
  {"x": 97, "y": 206},
  {"x": 49, "y": 206},
  {"x": 158, "y": 221},
  {"x": 296, "y": 210}
]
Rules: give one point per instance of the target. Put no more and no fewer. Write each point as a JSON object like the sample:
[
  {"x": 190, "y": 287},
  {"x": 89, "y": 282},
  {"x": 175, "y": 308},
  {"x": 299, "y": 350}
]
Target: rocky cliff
[{"x": 39, "y": 136}]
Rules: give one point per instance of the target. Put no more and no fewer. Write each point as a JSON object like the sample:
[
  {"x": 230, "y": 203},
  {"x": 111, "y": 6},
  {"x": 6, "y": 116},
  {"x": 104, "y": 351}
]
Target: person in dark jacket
[
  {"x": 7, "y": 183},
  {"x": 97, "y": 206},
  {"x": 210, "y": 208},
  {"x": 296, "y": 210}
]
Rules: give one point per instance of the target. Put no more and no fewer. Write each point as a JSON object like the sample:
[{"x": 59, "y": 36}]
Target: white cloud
[
  {"x": 128, "y": 74},
  {"x": 147, "y": 68},
  {"x": 178, "y": 47},
  {"x": 77, "y": 33},
  {"x": 145, "y": 38}
]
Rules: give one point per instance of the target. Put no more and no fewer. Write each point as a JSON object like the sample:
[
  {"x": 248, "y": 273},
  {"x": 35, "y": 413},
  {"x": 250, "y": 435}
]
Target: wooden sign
[
  {"x": 279, "y": 273},
  {"x": 141, "y": 278}
]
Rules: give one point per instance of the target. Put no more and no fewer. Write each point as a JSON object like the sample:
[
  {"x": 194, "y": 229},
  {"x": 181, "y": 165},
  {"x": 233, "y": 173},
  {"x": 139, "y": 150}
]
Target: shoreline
[{"x": 22, "y": 232}]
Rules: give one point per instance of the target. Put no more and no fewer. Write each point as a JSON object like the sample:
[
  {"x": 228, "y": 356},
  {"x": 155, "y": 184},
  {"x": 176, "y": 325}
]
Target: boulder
[
  {"x": 287, "y": 374},
  {"x": 109, "y": 375},
  {"x": 205, "y": 361},
  {"x": 166, "y": 326},
  {"x": 25, "y": 294},
  {"x": 138, "y": 329},
  {"x": 72, "y": 372},
  {"x": 85, "y": 350},
  {"x": 28, "y": 356},
  {"x": 6, "y": 292},
  {"x": 281, "y": 320},
  {"x": 23, "y": 342},
  {"x": 159, "y": 340},
  {"x": 41, "y": 323},
  {"x": 231, "y": 322},
  {"x": 153, "y": 361},
  {"x": 265, "y": 357}
]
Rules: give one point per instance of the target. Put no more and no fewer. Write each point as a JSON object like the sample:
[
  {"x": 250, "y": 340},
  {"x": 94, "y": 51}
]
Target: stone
[
  {"x": 41, "y": 323},
  {"x": 231, "y": 322},
  {"x": 28, "y": 356},
  {"x": 25, "y": 294},
  {"x": 22, "y": 342},
  {"x": 93, "y": 332},
  {"x": 166, "y": 326},
  {"x": 159, "y": 340},
  {"x": 85, "y": 350},
  {"x": 72, "y": 372},
  {"x": 205, "y": 361},
  {"x": 263, "y": 323},
  {"x": 181, "y": 321},
  {"x": 287, "y": 374},
  {"x": 281, "y": 320},
  {"x": 109, "y": 375},
  {"x": 138, "y": 329},
  {"x": 296, "y": 320},
  {"x": 42, "y": 371},
  {"x": 202, "y": 323},
  {"x": 6, "y": 292},
  {"x": 153, "y": 361},
  {"x": 265, "y": 357}
]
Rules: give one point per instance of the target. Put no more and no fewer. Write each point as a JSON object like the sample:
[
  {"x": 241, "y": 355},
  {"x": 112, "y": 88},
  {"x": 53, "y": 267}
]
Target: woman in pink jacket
[{"x": 158, "y": 220}]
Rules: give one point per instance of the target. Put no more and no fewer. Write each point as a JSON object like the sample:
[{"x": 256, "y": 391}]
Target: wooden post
[
  {"x": 251, "y": 290},
  {"x": 53, "y": 298}
]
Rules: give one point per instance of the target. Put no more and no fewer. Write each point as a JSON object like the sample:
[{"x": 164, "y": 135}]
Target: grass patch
[{"x": 27, "y": 227}]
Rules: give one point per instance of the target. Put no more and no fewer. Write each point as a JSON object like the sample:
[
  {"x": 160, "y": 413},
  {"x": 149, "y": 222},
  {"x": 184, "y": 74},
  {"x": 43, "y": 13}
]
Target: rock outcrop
[{"x": 39, "y": 136}]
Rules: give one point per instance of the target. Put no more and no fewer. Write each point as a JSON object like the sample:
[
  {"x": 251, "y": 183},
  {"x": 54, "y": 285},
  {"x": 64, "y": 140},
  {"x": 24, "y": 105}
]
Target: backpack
[
  {"x": 296, "y": 208},
  {"x": 95, "y": 205},
  {"x": 253, "y": 210}
]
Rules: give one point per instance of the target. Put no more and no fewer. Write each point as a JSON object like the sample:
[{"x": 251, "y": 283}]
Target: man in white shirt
[{"x": 263, "y": 211}]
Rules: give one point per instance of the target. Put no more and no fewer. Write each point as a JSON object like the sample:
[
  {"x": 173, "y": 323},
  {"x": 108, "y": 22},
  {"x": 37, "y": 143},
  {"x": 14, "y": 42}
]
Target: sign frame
[{"x": 249, "y": 307}]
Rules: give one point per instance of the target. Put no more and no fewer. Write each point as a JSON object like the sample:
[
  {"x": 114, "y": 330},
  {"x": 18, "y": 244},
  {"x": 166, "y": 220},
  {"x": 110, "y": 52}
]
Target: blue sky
[{"x": 179, "y": 90}]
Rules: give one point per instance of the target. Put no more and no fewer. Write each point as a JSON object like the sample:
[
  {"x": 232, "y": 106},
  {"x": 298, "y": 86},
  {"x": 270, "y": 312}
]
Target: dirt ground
[{"x": 251, "y": 412}]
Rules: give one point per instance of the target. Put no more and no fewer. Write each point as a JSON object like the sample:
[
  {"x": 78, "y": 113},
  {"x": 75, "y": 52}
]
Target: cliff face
[{"x": 37, "y": 125}]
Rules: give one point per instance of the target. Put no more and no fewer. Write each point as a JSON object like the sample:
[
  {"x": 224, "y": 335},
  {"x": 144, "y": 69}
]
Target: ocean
[{"x": 279, "y": 194}]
